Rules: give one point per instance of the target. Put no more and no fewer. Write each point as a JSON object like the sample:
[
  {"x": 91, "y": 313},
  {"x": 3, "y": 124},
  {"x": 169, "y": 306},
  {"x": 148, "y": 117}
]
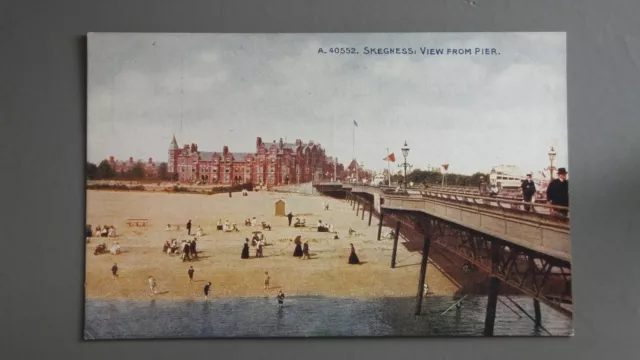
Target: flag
[
  {"x": 355, "y": 123},
  {"x": 391, "y": 157},
  {"x": 445, "y": 166}
]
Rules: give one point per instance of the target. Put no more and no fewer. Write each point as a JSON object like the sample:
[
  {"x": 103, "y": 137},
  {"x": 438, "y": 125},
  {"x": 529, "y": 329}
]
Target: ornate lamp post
[
  {"x": 405, "y": 165},
  {"x": 552, "y": 161}
]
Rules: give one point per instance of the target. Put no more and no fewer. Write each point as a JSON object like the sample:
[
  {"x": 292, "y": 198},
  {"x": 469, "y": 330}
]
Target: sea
[{"x": 314, "y": 316}]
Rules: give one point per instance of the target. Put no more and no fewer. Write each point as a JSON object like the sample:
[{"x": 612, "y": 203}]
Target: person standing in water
[
  {"x": 266, "y": 280},
  {"x": 190, "y": 273},
  {"x": 280, "y": 298},
  {"x": 207, "y": 288}
]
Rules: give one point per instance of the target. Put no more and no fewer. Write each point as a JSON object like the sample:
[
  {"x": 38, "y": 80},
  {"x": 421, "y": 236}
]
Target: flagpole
[
  {"x": 388, "y": 168},
  {"x": 353, "y": 144}
]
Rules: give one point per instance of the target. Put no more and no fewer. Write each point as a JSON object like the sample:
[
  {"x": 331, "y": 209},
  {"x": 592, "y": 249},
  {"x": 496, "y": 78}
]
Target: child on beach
[
  {"x": 190, "y": 272},
  {"x": 152, "y": 285},
  {"x": 206, "y": 290},
  {"x": 114, "y": 271},
  {"x": 266, "y": 280}
]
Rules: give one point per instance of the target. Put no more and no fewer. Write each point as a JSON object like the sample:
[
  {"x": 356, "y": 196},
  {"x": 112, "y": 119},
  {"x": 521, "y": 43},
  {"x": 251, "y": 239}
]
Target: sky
[{"x": 469, "y": 111}]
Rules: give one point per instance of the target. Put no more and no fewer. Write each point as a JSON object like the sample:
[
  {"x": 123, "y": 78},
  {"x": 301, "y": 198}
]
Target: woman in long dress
[
  {"x": 353, "y": 258},
  {"x": 298, "y": 251},
  {"x": 245, "y": 250}
]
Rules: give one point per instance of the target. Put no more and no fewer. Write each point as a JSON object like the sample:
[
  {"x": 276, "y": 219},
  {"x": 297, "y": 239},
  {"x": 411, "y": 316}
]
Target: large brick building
[
  {"x": 121, "y": 167},
  {"x": 273, "y": 163}
]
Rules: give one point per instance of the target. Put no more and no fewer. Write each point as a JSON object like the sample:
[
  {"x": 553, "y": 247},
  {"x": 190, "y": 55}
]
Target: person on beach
[
  {"x": 189, "y": 227},
  {"x": 152, "y": 285},
  {"x": 219, "y": 225},
  {"x": 290, "y": 216},
  {"x": 245, "y": 250},
  {"x": 353, "y": 258},
  {"x": 207, "y": 288},
  {"x": 199, "y": 231},
  {"x": 280, "y": 298},
  {"x": 298, "y": 250},
  {"x": 266, "y": 280},
  {"x": 186, "y": 247},
  {"x": 305, "y": 251},
  {"x": 259, "y": 249},
  {"x": 190, "y": 273},
  {"x": 192, "y": 249},
  {"x": 114, "y": 271}
]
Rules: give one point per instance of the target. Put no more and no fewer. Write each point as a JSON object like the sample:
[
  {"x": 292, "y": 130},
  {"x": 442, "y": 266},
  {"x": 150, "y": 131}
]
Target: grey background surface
[{"x": 42, "y": 117}]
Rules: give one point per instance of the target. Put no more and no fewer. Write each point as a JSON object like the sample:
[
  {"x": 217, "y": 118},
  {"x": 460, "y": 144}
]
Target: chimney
[
  {"x": 150, "y": 161},
  {"x": 112, "y": 159},
  {"x": 225, "y": 150},
  {"x": 281, "y": 143},
  {"x": 131, "y": 160}
]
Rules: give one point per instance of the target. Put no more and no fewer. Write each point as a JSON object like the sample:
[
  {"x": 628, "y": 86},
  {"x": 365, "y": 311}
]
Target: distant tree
[
  {"x": 105, "y": 171},
  {"x": 137, "y": 171},
  {"x": 163, "y": 171},
  {"x": 91, "y": 171}
]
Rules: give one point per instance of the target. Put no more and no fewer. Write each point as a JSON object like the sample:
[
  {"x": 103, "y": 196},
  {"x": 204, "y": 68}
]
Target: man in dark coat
[
  {"x": 192, "y": 249},
  {"x": 558, "y": 191},
  {"x": 189, "y": 227},
  {"x": 290, "y": 216},
  {"x": 528, "y": 190}
]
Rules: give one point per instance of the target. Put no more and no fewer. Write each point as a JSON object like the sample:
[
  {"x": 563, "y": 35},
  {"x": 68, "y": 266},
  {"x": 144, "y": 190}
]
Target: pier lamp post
[
  {"x": 552, "y": 161},
  {"x": 362, "y": 168},
  {"x": 405, "y": 165}
]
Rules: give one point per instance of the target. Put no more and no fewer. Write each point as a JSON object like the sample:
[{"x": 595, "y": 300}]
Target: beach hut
[{"x": 280, "y": 211}]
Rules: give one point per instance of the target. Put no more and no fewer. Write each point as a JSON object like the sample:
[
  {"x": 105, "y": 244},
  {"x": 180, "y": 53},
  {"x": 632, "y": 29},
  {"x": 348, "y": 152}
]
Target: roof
[
  {"x": 280, "y": 201},
  {"x": 206, "y": 155},
  {"x": 240, "y": 156},
  {"x": 174, "y": 144}
]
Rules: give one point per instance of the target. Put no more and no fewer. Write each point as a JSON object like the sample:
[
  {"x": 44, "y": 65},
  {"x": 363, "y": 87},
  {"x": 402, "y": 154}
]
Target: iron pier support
[
  {"x": 355, "y": 201},
  {"x": 395, "y": 244},
  {"x": 380, "y": 224},
  {"x": 370, "y": 213},
  {"x": 494, "y": 289},
  {"x": 358, "y": 208},
  {"x": 363, "y": 204},
  {"x": 536, "y": 308},
  {"x": 423, "y": 265}
]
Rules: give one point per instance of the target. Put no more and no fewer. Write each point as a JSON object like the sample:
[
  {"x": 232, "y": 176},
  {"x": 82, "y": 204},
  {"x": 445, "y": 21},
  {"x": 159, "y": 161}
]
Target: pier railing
[{"x": 543, "y": 233}]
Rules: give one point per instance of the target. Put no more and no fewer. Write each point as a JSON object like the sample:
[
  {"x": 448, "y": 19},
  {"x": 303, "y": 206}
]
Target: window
[
  {"x": 226, "y": 170},
  {"x": 226, "y": 177}
]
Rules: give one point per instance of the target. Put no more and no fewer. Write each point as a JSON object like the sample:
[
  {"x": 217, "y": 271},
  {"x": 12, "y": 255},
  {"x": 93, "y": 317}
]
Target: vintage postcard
[{"x": 327, "y": 185}]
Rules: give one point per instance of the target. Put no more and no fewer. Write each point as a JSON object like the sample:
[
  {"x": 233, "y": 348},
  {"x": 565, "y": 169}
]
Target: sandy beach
[{"x": 326, "y": 273}]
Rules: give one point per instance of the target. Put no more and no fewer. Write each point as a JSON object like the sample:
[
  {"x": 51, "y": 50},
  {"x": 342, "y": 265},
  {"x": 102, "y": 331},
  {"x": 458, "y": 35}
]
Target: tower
[{"x": 172, "y": 164}]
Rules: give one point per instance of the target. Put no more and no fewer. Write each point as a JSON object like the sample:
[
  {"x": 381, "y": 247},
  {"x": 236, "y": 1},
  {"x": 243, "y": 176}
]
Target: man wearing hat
[
  {"x": 558, "y": 191},
  {"x": 528, "y": 190}
]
